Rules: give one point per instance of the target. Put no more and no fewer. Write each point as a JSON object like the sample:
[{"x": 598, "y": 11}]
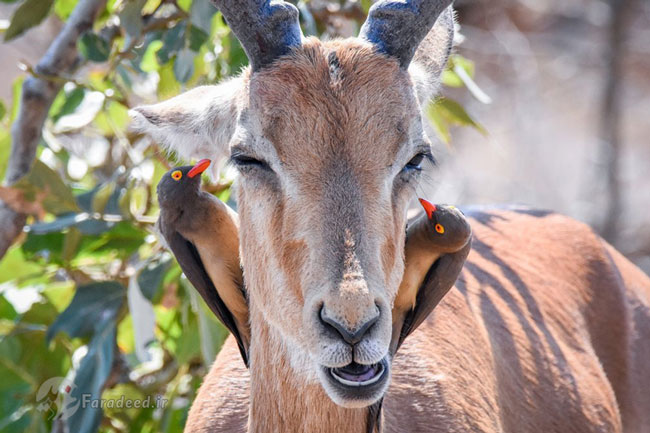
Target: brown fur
[
  {"x": 350, "y": 258},
  {"x": 217, "y": 221},
  {"x": 548, "y": 329}
]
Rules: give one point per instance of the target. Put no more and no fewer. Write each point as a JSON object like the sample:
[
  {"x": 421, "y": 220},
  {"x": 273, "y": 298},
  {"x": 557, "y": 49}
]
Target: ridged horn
[
  {"x": 266, "y": 29},
  {"x": 396, "y": 27}
]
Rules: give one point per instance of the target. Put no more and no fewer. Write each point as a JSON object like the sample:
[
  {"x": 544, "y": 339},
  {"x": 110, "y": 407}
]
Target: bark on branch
[
  {"x": 37, "y": 97},
  {"x": 610, "y": 116}
]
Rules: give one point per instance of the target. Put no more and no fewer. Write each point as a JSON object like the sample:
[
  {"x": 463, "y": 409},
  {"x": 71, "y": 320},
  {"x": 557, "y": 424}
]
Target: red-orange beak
[
  {"x": 429, "y": 207},
  {"x": 199, "y": 168}
]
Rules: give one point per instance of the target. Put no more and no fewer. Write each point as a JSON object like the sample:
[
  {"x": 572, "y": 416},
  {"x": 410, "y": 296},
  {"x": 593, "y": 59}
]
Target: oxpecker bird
[
  {"x": 203, "y": 234},
  {"x": 436, "y": 246}
]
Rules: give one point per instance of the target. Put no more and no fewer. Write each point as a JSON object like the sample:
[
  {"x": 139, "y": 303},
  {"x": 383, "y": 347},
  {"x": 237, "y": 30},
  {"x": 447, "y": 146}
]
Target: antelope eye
[
  {"x": 177, "y": 175},
  {"x": 415, "y": 163},
  {"x": 242, "y": 161}
]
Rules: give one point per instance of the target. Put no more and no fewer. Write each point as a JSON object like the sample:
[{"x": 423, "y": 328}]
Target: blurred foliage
[{"x": 88, "y": 293}]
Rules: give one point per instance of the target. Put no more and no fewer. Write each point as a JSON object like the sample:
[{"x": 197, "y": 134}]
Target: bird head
[
  {"x": 449, "y": 227},
  {"x": 181, "y": 182}
]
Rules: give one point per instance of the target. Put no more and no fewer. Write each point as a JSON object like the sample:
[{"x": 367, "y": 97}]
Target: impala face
[
  {"x": 329, "y": 151},
  {"x": 329, "y": 143}
]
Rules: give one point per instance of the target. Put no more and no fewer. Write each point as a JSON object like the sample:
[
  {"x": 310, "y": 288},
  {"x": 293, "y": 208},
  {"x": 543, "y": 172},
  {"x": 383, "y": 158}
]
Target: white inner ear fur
[
  {"x": 425, "y": 83},
  {"x": 430, "y": 59},
  {"x": 196, "y": 124}
]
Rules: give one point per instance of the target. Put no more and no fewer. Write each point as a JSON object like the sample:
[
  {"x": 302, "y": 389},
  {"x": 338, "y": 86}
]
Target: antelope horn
[
  {"x": 396, "y": 27},
  {"x": 266, "y": 29}
]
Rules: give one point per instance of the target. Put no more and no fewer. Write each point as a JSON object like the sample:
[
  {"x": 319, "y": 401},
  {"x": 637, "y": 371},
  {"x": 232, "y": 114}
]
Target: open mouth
[
  {"x": 358, "y": 375},
  {"x": 357, "y": 385}
]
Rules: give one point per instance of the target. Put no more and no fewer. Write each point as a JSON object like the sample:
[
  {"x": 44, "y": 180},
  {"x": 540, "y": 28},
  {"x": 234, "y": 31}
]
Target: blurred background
[{"x": 544, "y": 103}]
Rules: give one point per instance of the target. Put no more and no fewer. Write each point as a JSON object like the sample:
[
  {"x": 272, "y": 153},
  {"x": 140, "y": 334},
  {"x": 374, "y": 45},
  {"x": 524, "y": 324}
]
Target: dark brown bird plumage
[{"x": 202, "y": 233}]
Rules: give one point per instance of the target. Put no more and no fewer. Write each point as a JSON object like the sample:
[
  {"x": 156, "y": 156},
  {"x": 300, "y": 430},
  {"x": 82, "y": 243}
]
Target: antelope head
[{"x": 329, "y": 142}]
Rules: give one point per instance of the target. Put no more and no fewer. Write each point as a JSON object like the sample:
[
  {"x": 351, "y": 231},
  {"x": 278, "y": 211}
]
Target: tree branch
[
  {"x": 610, "y": 117},
  {"x": 37, "y": 97}
]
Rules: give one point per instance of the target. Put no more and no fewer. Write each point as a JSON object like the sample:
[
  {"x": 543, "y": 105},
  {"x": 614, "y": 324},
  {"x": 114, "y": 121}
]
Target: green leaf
[
  {"x": 471, "y": 85},
  {"x": 89, "y": 379},
  {"x": 14, "y": 266},
  {"x": 122, "y": 240},
  {"x": 197, "y": 38},
  {"x": 173, "y": 41},
  {"x": 3, "y": 110},
  {"x": 151, "y": 277},
  {"x": 150, "y": 7},
  {"x": 149, "y": 61},
  {"x": 45, "y": 185},
  {"x": 113, "y": 119},
  {"x": 7, "y": 310},
  {"x": 5, "y": 150},
  {"x": 28, "y": 15},
  {"x": 59, "y": 294},
  {"x": 167, "y": 85},
  {"x": 454, "y": 113},
  {"x": 58, "y": 224},
  {"x": 456, "y": 61},
  {"x": 63, "y": 8},
  {"x": 184, "y": 65},
  {"x": 71, "y": 243},
  {"x": 102, "y": 196},
  {"x": 212, "y": 333},
  {"x": 184, "y": 4},
  {"x": 92, "y": 302},
  {"x": 131, "y": 20},
  {"x": 17, "y": 93},
  {"x": 71, "y": 101},
  {"x": 47, "y": 245},
  {"x": 201, "y": 13},
  {"x": 93, "y": 47},
  {"x": 445, "y": 112},
  {"x": 451, "y": 79},
  {"x": 438, "y": 123}
]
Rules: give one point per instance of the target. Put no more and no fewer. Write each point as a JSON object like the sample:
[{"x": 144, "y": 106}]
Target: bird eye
[
  {"x": 440, "y": 229},
  {"x": 177, "y": 175}
]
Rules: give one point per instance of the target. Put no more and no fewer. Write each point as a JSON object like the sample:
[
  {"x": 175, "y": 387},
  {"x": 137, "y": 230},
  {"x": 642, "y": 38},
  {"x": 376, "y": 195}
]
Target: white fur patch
[{"x": 194, "y": 125}]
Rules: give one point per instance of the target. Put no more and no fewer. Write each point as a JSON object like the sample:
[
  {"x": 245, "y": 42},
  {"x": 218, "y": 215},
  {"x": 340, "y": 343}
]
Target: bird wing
[
  {"x": 190, "y": 261},
  {"x": 439, "y": 279}
]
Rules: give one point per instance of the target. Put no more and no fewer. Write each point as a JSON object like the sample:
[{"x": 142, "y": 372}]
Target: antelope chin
[{"x": 356, "y": 385}]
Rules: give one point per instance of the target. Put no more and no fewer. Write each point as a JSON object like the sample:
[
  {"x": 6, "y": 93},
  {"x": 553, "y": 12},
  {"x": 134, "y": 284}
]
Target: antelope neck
[{"x": 283, "y": 399}]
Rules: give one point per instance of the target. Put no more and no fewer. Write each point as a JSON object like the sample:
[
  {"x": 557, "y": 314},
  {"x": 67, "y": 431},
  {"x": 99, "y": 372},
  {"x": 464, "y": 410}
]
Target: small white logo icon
[{"x": 54, "y": 396}]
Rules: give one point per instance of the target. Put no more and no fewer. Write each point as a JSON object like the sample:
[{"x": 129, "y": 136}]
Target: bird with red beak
[
  {"x": 437, "y": 244},
  {"x": 203, "y": 234}
]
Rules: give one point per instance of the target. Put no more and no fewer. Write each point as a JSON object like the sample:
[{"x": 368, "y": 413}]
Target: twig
[
  {"x": 151, "y": 23},
  {"x": 37, "y": 97},
  {"x": 610, "y": 117},
  {"x": 350, "y": 10}
]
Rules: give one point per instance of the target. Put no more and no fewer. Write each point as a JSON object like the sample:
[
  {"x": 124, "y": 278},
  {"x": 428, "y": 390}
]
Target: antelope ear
[
  {"x": 431, "y": 57},
  {"x": 196, "y": 124}
]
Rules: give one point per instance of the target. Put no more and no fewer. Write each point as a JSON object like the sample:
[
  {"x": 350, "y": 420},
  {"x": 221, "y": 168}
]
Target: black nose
[{"x": 350, "y": 337}]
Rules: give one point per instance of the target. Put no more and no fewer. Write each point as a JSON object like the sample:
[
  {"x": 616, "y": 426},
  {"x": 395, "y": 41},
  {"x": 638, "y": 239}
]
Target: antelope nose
[{"x": 351, "y": 337}]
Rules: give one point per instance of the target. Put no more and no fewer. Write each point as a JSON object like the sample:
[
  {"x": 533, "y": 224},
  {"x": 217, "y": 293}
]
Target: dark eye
[
  {"x": 242, "y": 161},
  {"x": 415, "y": 163}
]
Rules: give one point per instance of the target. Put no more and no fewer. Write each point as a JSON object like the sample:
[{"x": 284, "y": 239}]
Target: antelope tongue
[{"x": 357, "y": 372}]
